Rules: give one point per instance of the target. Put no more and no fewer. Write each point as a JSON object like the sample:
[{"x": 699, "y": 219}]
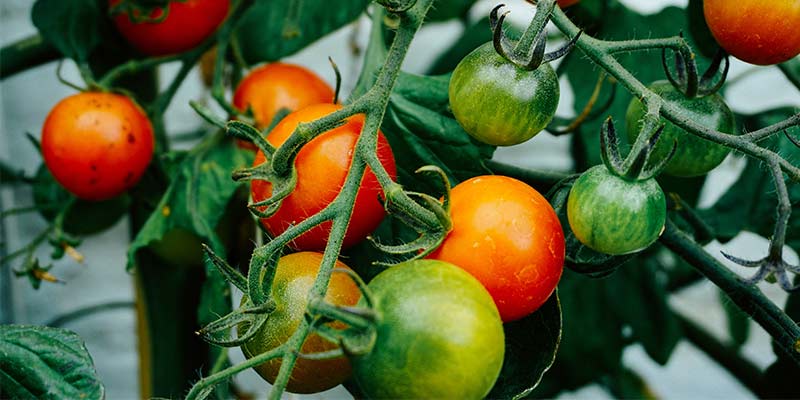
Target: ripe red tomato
[
  {"x": 322, "y": 166},
  {"x": 509, "y": 237},
  {"x": 271, "y": 87},
  {"x": 756, "y": 31},
  {"x": 187, "y": 24},
  {"x": 97, "y": 145},
  {"x": 293, "y": 281},
  {"x": 567, "y": 3}
]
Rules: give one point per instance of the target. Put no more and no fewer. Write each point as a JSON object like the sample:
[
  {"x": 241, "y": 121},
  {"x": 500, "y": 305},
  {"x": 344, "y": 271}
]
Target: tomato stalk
[
  {"x": 749, "y": 298},
  {"x": 24, "y": 54}
]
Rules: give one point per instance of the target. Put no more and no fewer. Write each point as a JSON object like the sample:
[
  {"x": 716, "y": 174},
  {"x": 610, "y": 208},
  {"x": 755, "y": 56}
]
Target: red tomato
[
  {"x": 187, "y": 24},
  {"x": 756, "y": 31},
  {"x": 507, "y": 236},
  {"x": 271, "y": 87},
  {"x": 322, "y": 166},
  {"x": 567, "y": 3},
  {"x": 97, "y": 145}
]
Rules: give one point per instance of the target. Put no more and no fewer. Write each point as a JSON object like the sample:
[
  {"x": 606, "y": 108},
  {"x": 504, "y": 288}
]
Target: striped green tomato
[
  {"x": 497, "y": 102},
  {"x": 614, "y": 215}
]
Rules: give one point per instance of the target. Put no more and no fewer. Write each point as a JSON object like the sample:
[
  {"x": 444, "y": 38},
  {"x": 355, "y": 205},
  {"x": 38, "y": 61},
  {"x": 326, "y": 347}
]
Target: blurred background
[{"x": 101, "y": 279}]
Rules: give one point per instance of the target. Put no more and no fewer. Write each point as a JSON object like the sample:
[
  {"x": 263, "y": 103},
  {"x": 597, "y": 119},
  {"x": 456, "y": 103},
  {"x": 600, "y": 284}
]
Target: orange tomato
[
  {"x": 271, "y": 87},
  {"x": 188, "y": 23},
  {"x": 322, "y": 166},
  {"x": 756, "y": 31},
  {"x": 508, "y": 237},
  {"x": 97, "y": 145}
]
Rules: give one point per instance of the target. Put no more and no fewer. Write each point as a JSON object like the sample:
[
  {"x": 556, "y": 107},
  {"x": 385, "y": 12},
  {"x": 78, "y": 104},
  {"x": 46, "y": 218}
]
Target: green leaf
[
  {"x": 41, "y": 362},
  {"x": 73, "y": 27},
  {"x": 448, "y": 9},
  {"x": 531, "y": 345},
  {"x": 422, "y": 131},
  {"x": 639, "y": 299},
  {"x": 738, "y": 321},
  {"x": 273, "y": 29},
  {"x": 791, "y": 69},
  {"x": 50, "y": 197},
  {"x": 200, "y": 189}
]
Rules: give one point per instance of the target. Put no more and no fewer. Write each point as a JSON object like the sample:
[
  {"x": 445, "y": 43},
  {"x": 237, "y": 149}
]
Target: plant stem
[
  {"x": 87, "y": 311},
  {"x": 748, "y": 298},
  {"x": 25, "y": 54},
  {"x": 726, "y": 356},
  {"x": 601, "y": 53}
]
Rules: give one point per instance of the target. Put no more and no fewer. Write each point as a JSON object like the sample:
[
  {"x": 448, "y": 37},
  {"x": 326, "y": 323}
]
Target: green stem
[
  {"x": 600, "y": 52},
  {"x": 210, "y": 381},
  {"x": 748, "y": 298},
  {"x": 24, "y": 54},
  {"x": 726, "y": 356},
  {"x": 87, "y": 311},
  {"x": 523, "y": 48}
]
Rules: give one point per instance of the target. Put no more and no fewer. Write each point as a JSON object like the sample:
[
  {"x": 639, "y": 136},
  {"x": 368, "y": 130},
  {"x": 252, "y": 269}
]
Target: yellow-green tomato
[
  {"x": 499, "y": 103},
  {"x": 293, "y": 280},
  {"x": 439, "y": 335},
  {"x": 614, "y": 215}
]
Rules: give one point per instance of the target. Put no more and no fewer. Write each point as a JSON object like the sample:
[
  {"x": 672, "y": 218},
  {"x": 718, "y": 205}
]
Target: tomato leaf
[
  {"x": 273, "y": 29},
  {"x": 639, "y": 299},
  {"x": 43, "y": 362},
  {"x": 443, "y": 10},
  {"x": 73, "y": 27},
  {"x": 738, "y": 321},
  {"x": 422, "y": 131},
  {"x": 531, "y": 346}
]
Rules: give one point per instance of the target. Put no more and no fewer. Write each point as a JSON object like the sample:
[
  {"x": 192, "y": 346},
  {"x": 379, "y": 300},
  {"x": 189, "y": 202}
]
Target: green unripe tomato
[
  {"x": 614, "y": 215},
  {"x": 695, "y": 156},
  {"x": 439, "y": 335},
  {"x": 497, "y": 102}
]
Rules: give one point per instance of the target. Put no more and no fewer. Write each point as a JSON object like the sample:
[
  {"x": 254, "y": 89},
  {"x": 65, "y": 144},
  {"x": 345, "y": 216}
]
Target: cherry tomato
[
  {"x": 269, "y": 88},
  {"x": 614, "y": 215},
  {"x": 188, "y": 23},
  {"x": 322, "y": 166},
  {"x": 756, "y": 31},
  {"x": 439, "y": 335},
  {"x": 694, "y": 156},
  {"x": 497, "y": 102},
  {"x": 293, "y": 281},
  {"x": 97, "y": 145},
  {"x": 509, "y": 237}
]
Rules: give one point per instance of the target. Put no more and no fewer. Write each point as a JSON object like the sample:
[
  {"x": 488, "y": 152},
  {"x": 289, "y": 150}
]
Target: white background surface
[{"x": 27, "y": 97}]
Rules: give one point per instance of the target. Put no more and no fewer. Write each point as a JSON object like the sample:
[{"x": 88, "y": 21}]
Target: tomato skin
[
  {"x": 187, "y": 24},
  {"x": 271, "y": 87},
  {"x": 293, "y": 281},
  {"x": 694, "y": 156},
  {"x": 567, "y": 3},
  {"x": 97, "y": 145},
  {"x": 498, "y": 103},
  {"x": 322, "y": 166},
  {"x": 756, "y": 31},
  {"x": 613, "y": 215},
  {"x": 508, "y": 237},
  {"x": 439, "y": 335}
]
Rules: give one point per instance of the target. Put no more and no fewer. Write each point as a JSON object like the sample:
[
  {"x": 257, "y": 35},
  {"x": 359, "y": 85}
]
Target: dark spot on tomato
[
  {"x": 128, "y": 176},
  {"x": 131, "y": 138},
  {"x": 93, "y": 181},
  {"x": 93, "y": 167}
]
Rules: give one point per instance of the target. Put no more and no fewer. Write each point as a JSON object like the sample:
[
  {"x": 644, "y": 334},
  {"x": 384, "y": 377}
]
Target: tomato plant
[
  {"x": 439, "y": 335},
  {"x": 754, "y": 31},
  {"x": 293, "y": 281},
  {"x": 97, "y": 145},
  {"x": 275, "y": 86},
  {"x": 498, "y": 102},
  {"x": 694, "y": 156},
  {"x": 507, "y": 236},
  {"x": 322, "y": 167},
  {"x": 614, "y": 215},
  {"x": 187, "y": 24}
]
